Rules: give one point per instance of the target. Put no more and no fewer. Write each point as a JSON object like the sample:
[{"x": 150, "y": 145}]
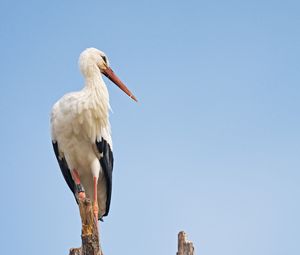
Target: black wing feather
[
  {"x": 107, "y": 164},
  {"x": 64, "y": 169}
]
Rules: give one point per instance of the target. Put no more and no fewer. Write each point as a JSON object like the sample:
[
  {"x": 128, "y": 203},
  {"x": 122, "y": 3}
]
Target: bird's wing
[
  {"x": 107, "y": 163},
  {"x": 64, "y": 169}
]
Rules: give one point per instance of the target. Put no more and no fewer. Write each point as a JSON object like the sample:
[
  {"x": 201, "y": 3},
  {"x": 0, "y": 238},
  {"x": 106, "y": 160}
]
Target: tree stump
[
  {"x": 89, "y": 232},
  {"x": 185, "y": 247}
]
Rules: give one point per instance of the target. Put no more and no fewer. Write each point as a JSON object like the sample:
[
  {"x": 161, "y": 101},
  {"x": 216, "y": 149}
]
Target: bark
[
  {"x": 89, "y": 232},
  {"x": 185, "y": 247}
]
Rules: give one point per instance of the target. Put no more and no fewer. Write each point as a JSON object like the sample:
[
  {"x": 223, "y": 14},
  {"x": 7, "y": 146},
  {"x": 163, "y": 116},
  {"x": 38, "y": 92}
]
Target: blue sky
[{"x": 211, "y": 148}]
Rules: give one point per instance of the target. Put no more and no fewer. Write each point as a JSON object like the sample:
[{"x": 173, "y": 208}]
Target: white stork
[{"x": 81, "y": 134}]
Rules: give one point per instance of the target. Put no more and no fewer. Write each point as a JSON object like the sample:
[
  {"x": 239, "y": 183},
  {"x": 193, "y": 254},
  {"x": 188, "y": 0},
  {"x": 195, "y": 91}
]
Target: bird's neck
[{"x": 97, "y": 91}]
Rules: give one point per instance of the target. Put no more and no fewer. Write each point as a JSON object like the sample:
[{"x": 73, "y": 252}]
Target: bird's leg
[
  {"x": 78, "y": 187},
  {"x": 95, "y": 208}
]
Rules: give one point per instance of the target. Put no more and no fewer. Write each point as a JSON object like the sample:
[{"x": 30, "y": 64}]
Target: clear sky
[{"x": 211, "y": 148}]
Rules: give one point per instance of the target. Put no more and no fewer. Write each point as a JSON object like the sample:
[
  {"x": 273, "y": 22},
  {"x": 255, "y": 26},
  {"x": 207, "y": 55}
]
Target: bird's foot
[
  {"x": 81, "y": 195},
  {"x": 96, "y": 211}
]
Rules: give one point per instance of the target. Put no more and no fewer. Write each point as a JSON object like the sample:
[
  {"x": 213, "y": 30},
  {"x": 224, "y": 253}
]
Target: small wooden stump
[
  {"x": 185, "y": 247},
  {"x": 89, "y": 233}
]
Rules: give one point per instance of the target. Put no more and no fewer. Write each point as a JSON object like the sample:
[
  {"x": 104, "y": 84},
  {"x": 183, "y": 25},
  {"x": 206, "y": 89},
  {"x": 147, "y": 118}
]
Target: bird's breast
[{"x": 78, "y": 120}]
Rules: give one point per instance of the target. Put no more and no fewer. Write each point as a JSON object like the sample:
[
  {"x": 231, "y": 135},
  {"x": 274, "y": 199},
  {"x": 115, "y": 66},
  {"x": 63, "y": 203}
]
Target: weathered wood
[
  {"x": 185, "y": 247},
  {"x": 89, "y": 232}
]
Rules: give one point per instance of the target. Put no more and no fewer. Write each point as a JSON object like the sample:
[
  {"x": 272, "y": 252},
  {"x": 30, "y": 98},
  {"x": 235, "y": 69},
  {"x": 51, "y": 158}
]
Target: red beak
[{"x": 108, "y": 72}]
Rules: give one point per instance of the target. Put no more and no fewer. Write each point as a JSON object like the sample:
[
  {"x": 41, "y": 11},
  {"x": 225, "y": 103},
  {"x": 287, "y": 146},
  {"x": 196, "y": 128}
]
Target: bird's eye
[{"x": 104, "y": 58}]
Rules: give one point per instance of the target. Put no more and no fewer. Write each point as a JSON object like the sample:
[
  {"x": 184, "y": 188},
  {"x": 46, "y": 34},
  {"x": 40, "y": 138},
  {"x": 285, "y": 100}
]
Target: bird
[{"x": 81, "y": 133}]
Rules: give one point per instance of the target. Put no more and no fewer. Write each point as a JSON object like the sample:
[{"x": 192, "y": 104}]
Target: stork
[{"x": 81, "y": 133}]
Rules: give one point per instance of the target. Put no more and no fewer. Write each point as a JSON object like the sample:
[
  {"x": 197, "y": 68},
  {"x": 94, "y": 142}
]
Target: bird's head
[{"x": 92, "y": 60}]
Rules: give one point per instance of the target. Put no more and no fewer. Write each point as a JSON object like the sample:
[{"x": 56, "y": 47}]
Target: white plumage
[{"x": 81, "y": 119}]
